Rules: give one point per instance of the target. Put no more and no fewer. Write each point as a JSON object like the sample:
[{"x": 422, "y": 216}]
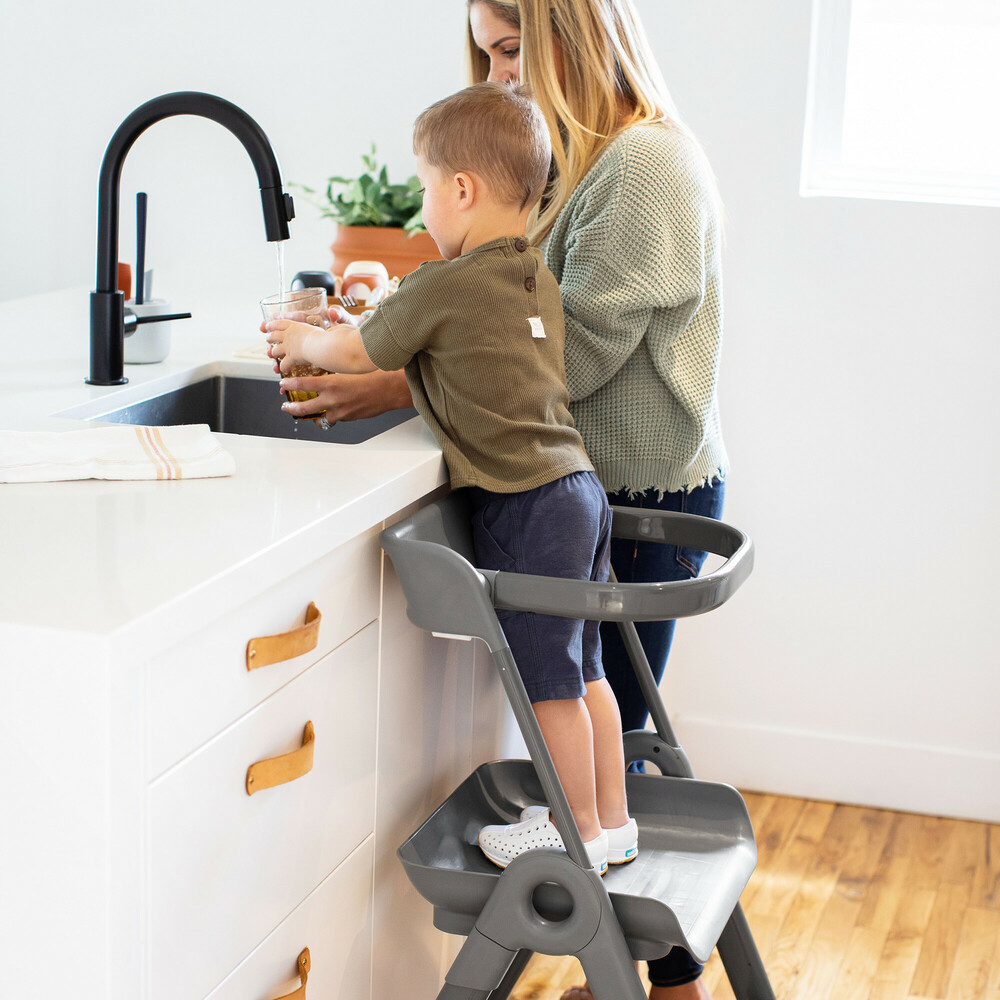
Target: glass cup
[{"x": 303, "y": 305}]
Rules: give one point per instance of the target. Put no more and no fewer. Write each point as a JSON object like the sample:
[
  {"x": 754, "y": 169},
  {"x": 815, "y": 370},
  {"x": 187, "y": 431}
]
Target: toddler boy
[{"x": 480, "y": 335}]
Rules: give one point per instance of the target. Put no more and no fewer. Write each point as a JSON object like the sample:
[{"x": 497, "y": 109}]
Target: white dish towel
[{"x": 120, "y": 452}]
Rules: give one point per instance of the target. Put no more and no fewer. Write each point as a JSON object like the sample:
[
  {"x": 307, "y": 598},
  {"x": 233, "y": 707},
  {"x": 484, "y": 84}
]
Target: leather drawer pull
[
  {"x": 305, "y": 964},
  {"x": 267, "y": 649},
  {"x": 280, "y": 770}
]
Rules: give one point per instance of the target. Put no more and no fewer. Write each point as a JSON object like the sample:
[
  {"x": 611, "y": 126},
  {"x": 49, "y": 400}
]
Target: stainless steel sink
[{"x": 236, "y": 405}]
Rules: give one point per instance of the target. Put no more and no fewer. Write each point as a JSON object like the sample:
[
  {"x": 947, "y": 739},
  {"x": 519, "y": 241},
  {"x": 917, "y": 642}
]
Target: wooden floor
[{"x": 850, "y": 903}]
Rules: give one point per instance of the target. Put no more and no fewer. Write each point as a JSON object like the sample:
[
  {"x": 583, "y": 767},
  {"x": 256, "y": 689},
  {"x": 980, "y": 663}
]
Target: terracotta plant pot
[{"x": 400, "y": 252}]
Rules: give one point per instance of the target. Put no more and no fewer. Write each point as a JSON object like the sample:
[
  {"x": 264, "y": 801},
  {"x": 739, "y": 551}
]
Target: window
[{"x": 904, "y": 101}]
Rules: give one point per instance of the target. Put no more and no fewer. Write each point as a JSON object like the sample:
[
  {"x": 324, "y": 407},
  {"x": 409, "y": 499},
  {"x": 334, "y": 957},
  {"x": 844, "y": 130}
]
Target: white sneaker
[
  {"x": 623, "y": 842},
  {"x": 501, "y": 844},
  {"x": 528, "y": 811}
]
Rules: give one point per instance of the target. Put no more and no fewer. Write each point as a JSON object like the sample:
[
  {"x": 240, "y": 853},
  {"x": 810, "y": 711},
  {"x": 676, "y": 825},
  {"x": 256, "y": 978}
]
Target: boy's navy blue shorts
[{"x": 560, "y": 529}]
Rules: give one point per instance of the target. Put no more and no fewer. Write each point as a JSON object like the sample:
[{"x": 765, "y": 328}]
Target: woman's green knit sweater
[{"x": 636, "y": 253}]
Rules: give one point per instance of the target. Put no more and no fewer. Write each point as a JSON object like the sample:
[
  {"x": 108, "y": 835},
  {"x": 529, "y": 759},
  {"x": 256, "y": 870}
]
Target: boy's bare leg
[
  {"x": 612, "y": 807},
  {"x": 609, "y": 755},
  {"x": 569, "y": 735}
]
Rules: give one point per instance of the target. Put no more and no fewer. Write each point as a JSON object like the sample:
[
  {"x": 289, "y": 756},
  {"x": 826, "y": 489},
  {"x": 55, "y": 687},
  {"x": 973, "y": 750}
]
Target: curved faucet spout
[
  {"x": 277, "y": 205},
  {"x": 107, "y": 304}
]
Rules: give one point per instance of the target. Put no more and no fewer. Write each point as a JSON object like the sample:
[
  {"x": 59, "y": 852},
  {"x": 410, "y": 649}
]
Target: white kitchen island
[{"x": 134, "y": 864}]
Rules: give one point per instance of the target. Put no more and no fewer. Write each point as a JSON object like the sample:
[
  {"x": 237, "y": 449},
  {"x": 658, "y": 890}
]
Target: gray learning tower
[{"x": 696, "y": 845}]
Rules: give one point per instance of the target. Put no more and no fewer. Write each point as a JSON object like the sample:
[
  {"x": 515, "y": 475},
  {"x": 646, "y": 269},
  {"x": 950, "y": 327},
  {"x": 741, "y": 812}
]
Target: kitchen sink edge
[{"x": 232, "y": 397}]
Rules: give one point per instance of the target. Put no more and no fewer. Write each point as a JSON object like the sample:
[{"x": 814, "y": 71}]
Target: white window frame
[{"x": 825, "y": 173}]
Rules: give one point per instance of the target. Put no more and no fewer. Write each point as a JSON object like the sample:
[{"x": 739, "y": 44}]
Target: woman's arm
[
  {"x": 636, "y": 242},
  {"x": 349, "y": 397}
]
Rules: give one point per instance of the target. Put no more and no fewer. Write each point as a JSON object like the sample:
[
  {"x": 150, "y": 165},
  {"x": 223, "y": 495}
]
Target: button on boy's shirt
[{"x": 481, "y": 339}]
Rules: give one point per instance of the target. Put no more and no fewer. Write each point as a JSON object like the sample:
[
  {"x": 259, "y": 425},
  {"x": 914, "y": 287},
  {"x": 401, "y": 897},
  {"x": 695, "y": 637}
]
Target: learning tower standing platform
[{"x": 696, "y": 844}]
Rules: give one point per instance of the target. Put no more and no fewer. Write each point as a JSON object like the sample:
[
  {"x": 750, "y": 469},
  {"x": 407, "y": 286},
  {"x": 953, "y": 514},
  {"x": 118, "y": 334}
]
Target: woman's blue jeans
[{"x": 649, "y": 562}]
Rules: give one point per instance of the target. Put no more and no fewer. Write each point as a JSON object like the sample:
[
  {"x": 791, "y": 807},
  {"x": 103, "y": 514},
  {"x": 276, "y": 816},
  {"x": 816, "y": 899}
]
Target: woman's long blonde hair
[{"x": 611, "y": 77}]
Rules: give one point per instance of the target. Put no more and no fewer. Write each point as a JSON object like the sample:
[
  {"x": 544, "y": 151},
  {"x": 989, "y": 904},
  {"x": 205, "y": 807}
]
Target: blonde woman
[{"x": 630, "y": 228}]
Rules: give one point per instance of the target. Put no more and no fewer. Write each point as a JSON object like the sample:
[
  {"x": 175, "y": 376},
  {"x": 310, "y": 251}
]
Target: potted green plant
[{"x": 376, "y": 220}]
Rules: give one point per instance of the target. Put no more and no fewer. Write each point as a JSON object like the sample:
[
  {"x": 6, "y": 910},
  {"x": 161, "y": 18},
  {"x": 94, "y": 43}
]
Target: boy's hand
[
  {"x": 339, "y": 315},
  {"x": 287, "y": 340},
  {"x": 298, "y": 317}
]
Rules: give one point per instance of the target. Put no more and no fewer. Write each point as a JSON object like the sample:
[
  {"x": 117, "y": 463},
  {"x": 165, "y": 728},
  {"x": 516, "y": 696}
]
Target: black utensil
[{"x": 140, "y": 246}]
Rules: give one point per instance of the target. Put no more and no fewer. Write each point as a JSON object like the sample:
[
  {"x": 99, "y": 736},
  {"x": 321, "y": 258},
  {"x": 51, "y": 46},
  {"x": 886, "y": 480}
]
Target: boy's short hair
[{"x": 494, "y": 130}]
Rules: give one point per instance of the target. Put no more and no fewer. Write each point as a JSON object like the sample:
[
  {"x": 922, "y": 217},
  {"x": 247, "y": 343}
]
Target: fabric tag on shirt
[{"x": 537, "y": 330}]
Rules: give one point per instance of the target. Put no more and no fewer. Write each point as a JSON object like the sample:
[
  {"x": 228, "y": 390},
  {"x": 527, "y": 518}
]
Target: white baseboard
[{"x": 829, "y": 767}]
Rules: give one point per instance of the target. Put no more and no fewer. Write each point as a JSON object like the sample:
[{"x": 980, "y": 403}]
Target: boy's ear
[{"x": 466, "y": 189}]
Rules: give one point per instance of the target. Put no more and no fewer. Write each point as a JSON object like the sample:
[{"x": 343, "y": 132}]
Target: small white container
[
  {"x": 362, "y": 277},
  {"x": 149, "y": 342}
]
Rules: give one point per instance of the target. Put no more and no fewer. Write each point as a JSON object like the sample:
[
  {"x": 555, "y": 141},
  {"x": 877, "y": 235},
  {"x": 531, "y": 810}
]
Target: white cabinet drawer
[
  {"x": 201, "y": 685},
  {"x": 226, "y": 867},
  {"x": 335, "y": 924}
]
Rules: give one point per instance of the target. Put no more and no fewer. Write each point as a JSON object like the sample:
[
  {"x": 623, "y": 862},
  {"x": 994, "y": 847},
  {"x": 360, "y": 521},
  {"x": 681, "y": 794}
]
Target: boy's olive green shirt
[{"x": 481, "y": 338}]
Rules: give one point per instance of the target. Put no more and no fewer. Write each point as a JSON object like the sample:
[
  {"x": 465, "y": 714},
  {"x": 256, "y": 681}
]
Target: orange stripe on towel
[
  {"x": 147, "y": 447},
  {"x": 151, "y": 435},
  {"x": 175, "y": 466}
]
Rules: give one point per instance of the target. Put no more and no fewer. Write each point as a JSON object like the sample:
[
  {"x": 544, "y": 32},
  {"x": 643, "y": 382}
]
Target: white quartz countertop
[{"x": 139, "y": 558}]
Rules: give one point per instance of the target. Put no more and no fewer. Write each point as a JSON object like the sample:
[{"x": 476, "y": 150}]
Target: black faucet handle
[
  {"x": 132, "y": 321},
  {"x": 160, "y": 319}
]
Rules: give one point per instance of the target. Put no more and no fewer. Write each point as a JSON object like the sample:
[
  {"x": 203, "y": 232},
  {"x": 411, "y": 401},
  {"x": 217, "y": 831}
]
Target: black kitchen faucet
[{"x": 107, "y": 304}]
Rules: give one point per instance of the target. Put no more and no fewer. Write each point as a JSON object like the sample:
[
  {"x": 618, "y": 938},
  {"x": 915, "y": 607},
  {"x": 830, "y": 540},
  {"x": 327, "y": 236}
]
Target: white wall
[
  {"x": 860, "y": 661},
  {"x": 305, "y": 70}
]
